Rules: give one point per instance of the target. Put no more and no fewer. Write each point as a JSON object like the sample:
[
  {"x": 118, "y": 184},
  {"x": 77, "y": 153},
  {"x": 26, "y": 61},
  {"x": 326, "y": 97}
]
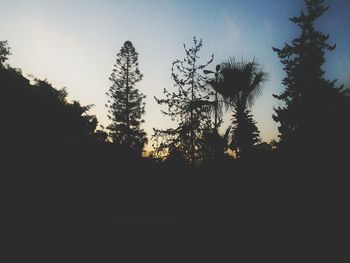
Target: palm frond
[{"x": 240, "y": 83}]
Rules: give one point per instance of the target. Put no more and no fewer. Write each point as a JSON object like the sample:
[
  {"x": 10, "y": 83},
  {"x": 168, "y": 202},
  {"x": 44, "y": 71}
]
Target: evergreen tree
[
  {"x": 189, "y": 105},
  {"x": 4, "y": 52},
  {"x": 126, "y": 105},
  {"x": 309, "y": 102}
]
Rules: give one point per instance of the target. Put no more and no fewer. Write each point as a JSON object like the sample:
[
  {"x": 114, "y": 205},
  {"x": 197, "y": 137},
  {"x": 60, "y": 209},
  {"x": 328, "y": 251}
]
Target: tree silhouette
[
  {"x": 4, "y": 52},
  {"x": 309, "y": 113},
  {"x": 239, "y": 84},
  {"x": 189, "y": 105},
  {"x": 216, "y": 144},
  {"x": 40, "y": 120},
  {"x": 126, "y": 105}
]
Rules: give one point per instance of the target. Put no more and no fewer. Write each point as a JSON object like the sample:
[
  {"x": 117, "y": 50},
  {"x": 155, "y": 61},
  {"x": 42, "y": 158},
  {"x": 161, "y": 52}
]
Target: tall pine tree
[
  {"x": 308, "y": 115},
  {"x": 126, "y": 105},
  {"x": 189, "y": 105}
]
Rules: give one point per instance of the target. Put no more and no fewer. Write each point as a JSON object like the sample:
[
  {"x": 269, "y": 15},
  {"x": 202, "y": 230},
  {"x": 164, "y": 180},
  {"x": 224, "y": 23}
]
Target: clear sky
[{"x": 74, "y": 43}]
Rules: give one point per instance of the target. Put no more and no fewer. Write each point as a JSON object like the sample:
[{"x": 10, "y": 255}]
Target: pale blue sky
[{"x": 74, "y": 43}]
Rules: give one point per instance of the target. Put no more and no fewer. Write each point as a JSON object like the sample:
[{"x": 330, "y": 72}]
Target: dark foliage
[
  {"x": 239, "y": 83},
  {"x": 245, "y": 134},
  {"x": 39, "y": 117},
  {"x": 189, "y": 105},
  {"x": 314, "y": 115},
  {"x": 126, "y": 105}
]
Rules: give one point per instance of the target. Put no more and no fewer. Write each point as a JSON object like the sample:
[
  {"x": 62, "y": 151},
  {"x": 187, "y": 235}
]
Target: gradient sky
[{"x": 74, "y": 43}]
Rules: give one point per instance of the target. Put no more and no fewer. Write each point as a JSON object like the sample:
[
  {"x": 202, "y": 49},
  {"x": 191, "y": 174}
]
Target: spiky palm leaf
[{"x": 240, "y": 82}]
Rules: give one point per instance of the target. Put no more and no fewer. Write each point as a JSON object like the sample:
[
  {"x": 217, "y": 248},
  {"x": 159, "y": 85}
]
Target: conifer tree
[
  {"x": 309, "y": 100},
  {"x": 126, "y": 105}
]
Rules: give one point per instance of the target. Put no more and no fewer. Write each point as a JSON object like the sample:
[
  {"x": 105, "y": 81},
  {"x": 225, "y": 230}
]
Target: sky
[{"x": 73, "y": 44}]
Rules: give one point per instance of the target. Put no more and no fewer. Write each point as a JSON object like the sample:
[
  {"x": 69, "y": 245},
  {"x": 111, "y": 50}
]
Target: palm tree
[{"x": 239, "y": 84}]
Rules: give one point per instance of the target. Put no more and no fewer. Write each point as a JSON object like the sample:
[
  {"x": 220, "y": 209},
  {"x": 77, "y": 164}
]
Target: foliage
[
  {"x": 239, "y": 84},
  {"x": 4, "y": 52},
  {"x": 126, "y": 105},
  {"x": 310, "y": 112},
  {"x": 189, "y": 105},
  {"x": 245, "y": 133},
  {"x": 216, "y": 145},
  {"x": 39, "y": 118}
]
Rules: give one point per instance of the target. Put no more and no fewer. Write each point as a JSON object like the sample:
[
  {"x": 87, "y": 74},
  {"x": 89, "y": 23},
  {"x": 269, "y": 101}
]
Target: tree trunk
[
  {"x": 192, "y": 123},
  {"x": 127, "y": 103}
]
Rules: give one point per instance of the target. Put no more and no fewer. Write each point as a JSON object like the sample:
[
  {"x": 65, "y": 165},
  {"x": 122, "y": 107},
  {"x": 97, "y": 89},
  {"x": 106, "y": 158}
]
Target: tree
[
  {"x": 310, "y": 103},
  {"x": 216, "y": 143},
  {"x": 239, "y": 84},
  {"x": 40, "y": 119},
  {"x": 189, "y": 105},
  {"x": 4, "y": 52},
  {"x": 126, "y": 105}
]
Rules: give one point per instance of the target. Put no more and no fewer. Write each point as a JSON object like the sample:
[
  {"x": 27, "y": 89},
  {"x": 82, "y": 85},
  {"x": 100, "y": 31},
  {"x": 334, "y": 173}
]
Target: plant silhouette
[
  {"x": 126, "y": 105},
  {"x": 189, "y": 105},
  {"x": 39, "y": 117},
  {"x": 312, "y": 114},
  {"x": 239, "y": 84}
]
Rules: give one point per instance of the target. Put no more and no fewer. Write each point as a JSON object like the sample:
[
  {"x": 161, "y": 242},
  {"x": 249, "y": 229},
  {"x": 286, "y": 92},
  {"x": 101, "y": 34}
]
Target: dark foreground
[
  {"x": 70, "y": 201},
  {"x": 69, "y": 191}
]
